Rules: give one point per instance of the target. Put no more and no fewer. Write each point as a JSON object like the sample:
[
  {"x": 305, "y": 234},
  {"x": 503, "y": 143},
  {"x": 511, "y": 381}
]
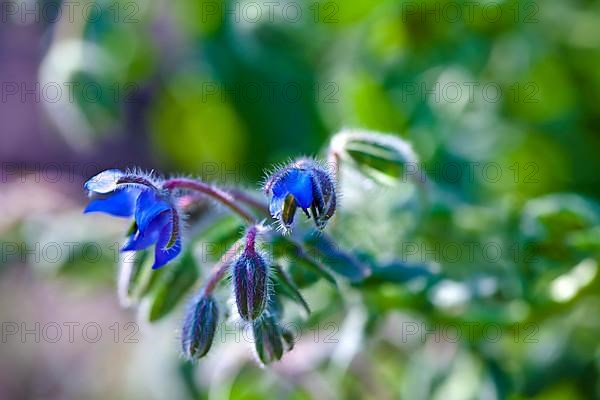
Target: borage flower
[
  {"x": 156, "y": 218},
  {"x": 303, "y": 184}
]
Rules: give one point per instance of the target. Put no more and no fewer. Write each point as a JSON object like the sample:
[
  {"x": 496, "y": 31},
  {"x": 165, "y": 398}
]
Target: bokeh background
[{"x": 498, "y": 98}]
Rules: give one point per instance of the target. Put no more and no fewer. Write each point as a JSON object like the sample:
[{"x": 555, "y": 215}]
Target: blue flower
[
  {"x": 302, "y": 184},
  {"x": 156, "y": 218}
]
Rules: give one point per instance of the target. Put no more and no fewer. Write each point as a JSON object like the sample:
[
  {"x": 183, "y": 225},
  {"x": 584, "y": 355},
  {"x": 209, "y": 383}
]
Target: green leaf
[
  {"x": 341, "y": 262},
  {"x": 171, "y": 287},
  {"x": 219, "y": 236},
  {"x": 554, "y": 215},
  {"x": 557, "y": 226},
  {"x": 303, "y": 277},
  {"x": 399, "y": 272},
  {"x": 136, "y": 276},
  {"x": 585, "y": 240},
  {"x": 288, "y": 288},
  {"x": 286, "y": 248}
]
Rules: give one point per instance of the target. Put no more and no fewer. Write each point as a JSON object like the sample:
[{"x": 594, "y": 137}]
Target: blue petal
[
  {"x": 141, "y": 240},
  {"x": 299, "y": 184},
  {"x": 161, "y": 255},
  {"x": 119, "y": 204},
  {"x": 104, "y": 182},
  {"x": 280, "y": 187},
  {"x": 148, "y": 207}
]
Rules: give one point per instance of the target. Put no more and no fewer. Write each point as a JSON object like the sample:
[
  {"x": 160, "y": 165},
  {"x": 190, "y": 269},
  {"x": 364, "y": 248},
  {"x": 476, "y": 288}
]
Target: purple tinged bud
[
  {"x": 199, "y": 327},
  {"x": 250, "y": 280}
]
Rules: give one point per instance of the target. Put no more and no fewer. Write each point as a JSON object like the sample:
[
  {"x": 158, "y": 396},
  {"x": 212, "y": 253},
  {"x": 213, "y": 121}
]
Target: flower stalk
[
  {"x": 217, "y": 194},
  {"x": 220, "y": 269}
]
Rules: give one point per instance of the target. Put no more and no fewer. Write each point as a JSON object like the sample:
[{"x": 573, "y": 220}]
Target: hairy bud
[
  {"x": 199, "y": 327},
  {"x": 250, "y": 281},
  {"x": 268, "y": 339}
]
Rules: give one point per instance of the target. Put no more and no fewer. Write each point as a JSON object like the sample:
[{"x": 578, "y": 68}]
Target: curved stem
[
  {"x": 217, "y": 194},
  {"x": 220, "y": 268},
  {"x": 249, "y": 200}
]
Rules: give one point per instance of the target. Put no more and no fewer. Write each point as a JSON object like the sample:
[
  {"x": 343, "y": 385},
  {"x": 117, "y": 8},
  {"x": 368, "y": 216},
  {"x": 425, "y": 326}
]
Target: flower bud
[
  {"x": 268, "y": 339},
  {"x": 250, "y": 281},
  {"x": 383, "y": 158},
  {"x": 199, "y": 327}
]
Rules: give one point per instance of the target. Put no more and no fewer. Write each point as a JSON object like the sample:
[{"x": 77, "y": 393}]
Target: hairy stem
[
  {"x": 249, "y": 200},
  {"x": 221, "y": 196},
  {"x": 220, "y": 268}
]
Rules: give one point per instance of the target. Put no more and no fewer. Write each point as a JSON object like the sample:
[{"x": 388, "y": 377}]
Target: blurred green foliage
[{"x": 507, "y": 237}]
